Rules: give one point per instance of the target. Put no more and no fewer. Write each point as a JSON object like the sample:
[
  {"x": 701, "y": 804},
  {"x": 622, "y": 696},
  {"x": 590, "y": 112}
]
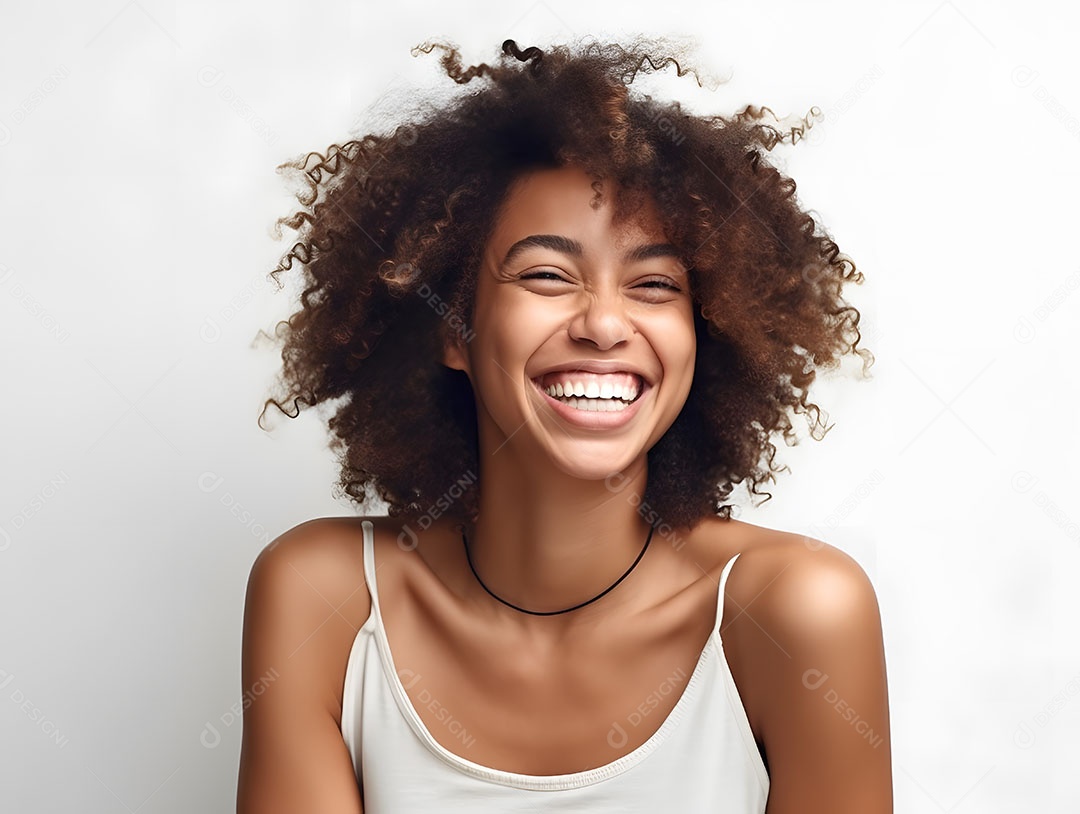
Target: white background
[{"x": 138, "y": 144}]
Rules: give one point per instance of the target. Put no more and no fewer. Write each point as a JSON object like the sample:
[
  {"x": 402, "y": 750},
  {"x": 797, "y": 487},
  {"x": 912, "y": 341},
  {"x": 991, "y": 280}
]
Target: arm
[
  {"x": 293, "y": 758},
  {"x": 821, "y": 657}
]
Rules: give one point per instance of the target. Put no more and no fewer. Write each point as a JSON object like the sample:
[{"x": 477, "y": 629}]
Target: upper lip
[{"x": 596, "y": 366}]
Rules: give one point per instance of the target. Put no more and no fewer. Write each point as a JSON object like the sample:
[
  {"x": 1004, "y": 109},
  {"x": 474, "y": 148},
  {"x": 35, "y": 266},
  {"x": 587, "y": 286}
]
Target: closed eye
[
  {"x": 550, "y": 275},
  {"x": 661, "y": 283},
  {"x": 539, "y": 274}
]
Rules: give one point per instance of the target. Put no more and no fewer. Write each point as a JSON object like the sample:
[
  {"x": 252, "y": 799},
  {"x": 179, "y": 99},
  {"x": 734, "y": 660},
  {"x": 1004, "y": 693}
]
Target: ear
[{"x": 454, "y": 355}]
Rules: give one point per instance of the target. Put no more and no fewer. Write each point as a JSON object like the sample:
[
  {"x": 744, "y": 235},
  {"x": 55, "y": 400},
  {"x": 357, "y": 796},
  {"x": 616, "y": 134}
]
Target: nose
[{"x": 603, "y": 318}]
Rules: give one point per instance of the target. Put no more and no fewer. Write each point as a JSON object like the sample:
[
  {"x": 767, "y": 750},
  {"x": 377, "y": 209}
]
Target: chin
[{"x": 593, "y": 466}]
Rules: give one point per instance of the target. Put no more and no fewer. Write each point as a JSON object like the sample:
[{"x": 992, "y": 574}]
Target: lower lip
[{"x": 607, "y": 419}]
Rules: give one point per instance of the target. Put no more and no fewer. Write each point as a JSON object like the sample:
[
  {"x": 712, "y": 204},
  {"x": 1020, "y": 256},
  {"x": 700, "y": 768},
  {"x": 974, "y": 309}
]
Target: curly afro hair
[{"x": 392, "y": 229}]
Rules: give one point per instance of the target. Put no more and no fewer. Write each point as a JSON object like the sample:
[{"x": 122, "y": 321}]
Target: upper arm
[
  {"x": 293, "y": 757},
  {"x": 821, "y": 655}
]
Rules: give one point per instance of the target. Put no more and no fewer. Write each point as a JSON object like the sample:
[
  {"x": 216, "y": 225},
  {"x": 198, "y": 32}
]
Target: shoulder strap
[
  {"x": 369, "y": 561},
  {"x": 720, "y": 593}
]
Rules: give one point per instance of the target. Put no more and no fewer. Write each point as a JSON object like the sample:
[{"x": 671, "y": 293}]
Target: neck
[{"x": 546, "y": 541}]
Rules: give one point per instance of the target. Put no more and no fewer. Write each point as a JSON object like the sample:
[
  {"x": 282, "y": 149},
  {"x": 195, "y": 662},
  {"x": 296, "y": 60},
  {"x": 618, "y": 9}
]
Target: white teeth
[
  {"x": 606, "y": 391},
  {"x": 597, "y": 405}
]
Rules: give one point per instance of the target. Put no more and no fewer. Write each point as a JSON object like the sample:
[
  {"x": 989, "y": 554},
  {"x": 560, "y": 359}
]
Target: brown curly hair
[{"x": 392, "y": 228}]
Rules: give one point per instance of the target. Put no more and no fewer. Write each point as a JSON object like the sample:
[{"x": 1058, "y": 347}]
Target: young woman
[{"x": 556, "y": 323}]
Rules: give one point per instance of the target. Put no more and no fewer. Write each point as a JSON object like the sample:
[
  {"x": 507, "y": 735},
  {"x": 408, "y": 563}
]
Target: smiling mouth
[{"x": 592, "y": 392}]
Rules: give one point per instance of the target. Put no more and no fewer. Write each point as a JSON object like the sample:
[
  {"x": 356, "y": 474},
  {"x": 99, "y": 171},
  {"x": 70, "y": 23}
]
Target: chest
[{"x": 504, "y": 703}]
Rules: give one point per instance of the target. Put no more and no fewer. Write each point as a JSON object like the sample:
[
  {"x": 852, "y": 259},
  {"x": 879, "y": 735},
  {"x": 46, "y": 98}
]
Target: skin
[
  {"x": 801, "y": 626},
  {"x": 552, "y": 531}
]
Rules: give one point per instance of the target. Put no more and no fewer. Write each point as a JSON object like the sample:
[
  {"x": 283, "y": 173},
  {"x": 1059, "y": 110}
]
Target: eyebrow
[{"x": 567, "y": 245}]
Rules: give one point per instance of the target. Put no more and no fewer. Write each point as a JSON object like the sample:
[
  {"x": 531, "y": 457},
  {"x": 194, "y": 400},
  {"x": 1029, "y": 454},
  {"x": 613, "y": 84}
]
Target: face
[{"x": 600, "y": 318}]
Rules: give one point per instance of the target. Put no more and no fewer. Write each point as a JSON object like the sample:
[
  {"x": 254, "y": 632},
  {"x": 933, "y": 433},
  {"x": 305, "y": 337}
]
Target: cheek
[
  {"x": 518, "y": 323},
  {"x": 676, "y": 334},
  {"x": 501, "y": 349},
  {"x": 506, "y": 335},
  {"x": 678, "y": 344}
]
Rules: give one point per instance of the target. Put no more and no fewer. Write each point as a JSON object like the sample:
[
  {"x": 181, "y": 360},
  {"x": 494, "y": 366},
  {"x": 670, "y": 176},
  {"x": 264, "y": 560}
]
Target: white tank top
[{"x": 702, "y": 759}]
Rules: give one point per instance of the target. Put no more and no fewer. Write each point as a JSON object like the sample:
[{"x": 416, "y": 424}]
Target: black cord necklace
[{"x": 553, "y": 613}]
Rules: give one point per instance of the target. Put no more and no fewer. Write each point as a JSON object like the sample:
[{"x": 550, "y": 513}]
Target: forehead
[{"x": 558, "y": 201}]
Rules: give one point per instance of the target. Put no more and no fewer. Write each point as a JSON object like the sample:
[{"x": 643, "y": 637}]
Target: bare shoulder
[
  {"x": 305, "y": 602},
  {"x": 308, "y": 585},
  {"x": 806, "y": 628},
  {"x": 316, "y": 542},
  {"x": 783, "y": 574},
  {"x": 326, "y": 553},
  {"x": 799, "y": 578}
]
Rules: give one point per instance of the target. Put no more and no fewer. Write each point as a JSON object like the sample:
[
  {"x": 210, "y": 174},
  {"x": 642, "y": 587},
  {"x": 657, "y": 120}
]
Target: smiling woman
[
  {"x": 577, "y": 305},
  {"x": 561, "y": 322}
]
